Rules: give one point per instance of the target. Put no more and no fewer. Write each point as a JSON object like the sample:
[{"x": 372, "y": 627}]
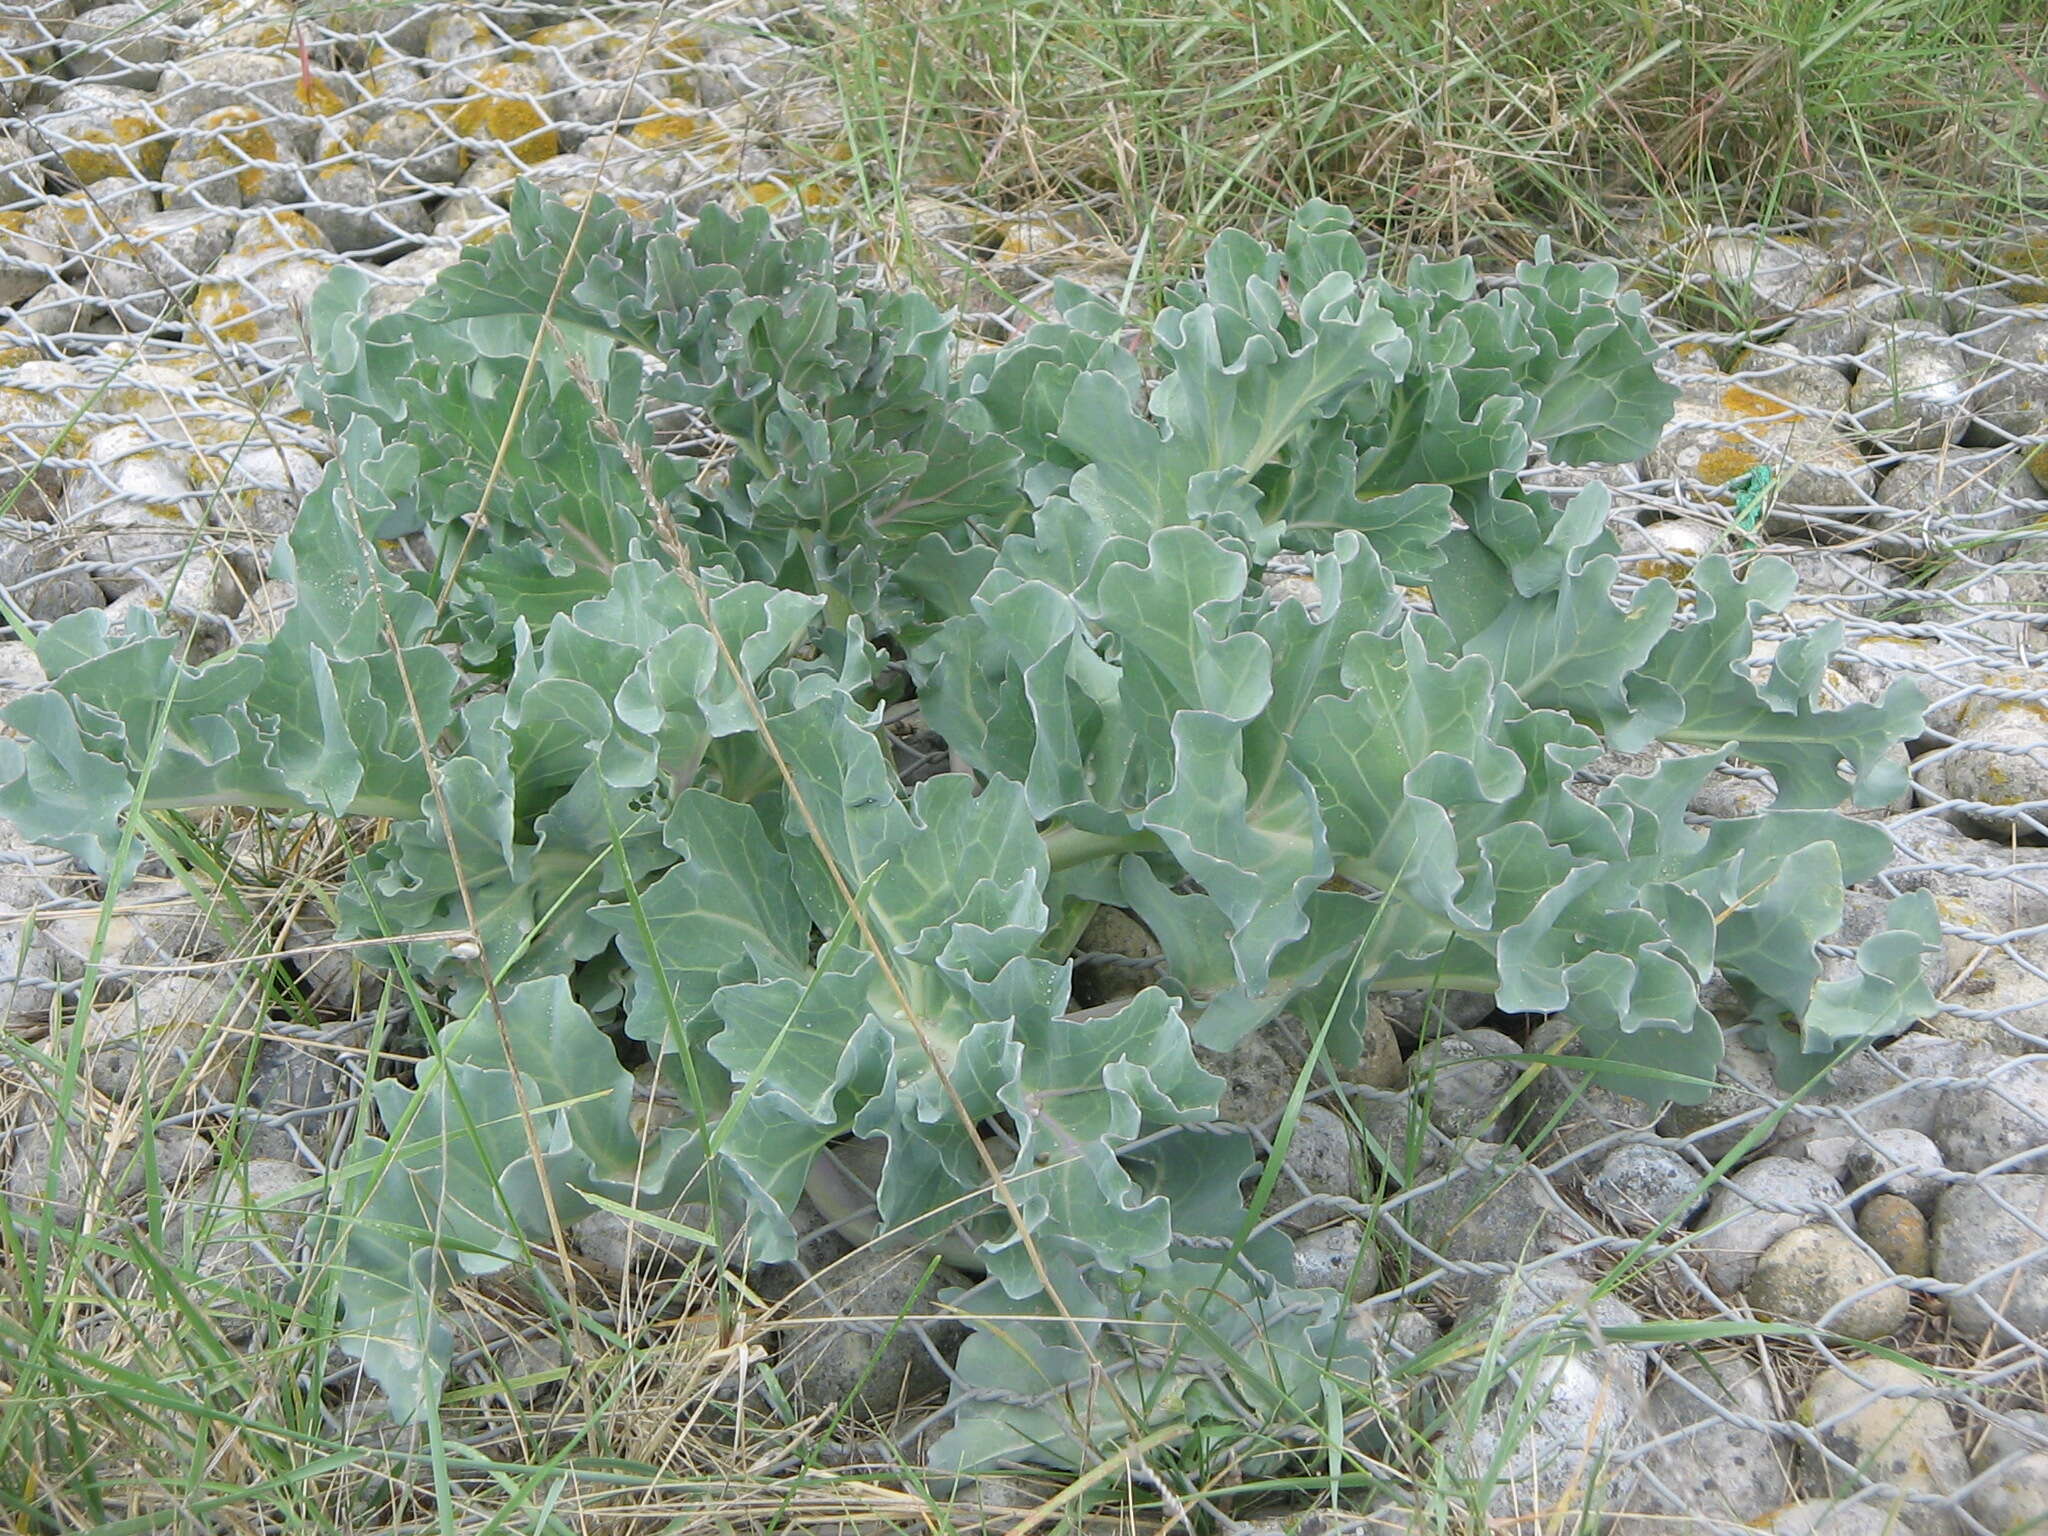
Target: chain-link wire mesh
[{"x": 176, "y": 182}]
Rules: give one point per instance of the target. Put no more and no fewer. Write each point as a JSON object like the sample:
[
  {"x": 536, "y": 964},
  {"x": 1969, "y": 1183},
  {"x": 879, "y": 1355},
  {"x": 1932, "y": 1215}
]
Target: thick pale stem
[{"x": 1069, "y": 847}]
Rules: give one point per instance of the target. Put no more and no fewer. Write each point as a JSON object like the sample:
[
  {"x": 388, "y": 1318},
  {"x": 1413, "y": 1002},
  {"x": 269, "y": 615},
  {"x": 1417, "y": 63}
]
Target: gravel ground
[{"x": 173, "y": 192}]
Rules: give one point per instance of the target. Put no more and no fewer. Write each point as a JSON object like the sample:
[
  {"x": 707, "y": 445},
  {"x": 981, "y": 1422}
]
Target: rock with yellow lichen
[
  {"x": 170, "y": 395},
  {"x": 1926, "y": 265},
  {"x": 780, "y": 195},
  {"x": 1838, "y": 326},
  {"x": 2011, "y": 396},
  {"x": 401, "y": 282},
  {"x": 1912, "y": 392},
  {"x": 2022, "y": 262},
  {"x": 296, "y": 97},
  {"x": 470, "y": 220},
  {"x": 144, "y": 273},
  {"x": 1752, "y": 280},
  {"x": 361, "y": 209},
  {"x": 232, "y": 157},
  {"x": 504, "y": 107},
  {"x": 1964, "y": 499},
  {"x": 1669, "y": 548},
  {"x": 261, "y": 307},
  {"x": 675, "y": 124},
  {"x": 2002, "y": 768},
  {"x": 214, "y": 24},
  {"x": 257, "y": 294},
  {"x": 1724, "y": 428},
  {"x": 255, "y": 489},
  {"x": 78, "y": 221},
  {"x": 407, "y": 148},
  {"x": 27, "y": 260},
  {"x": 1792, "y": 380},
  {"x": 481, "y": 197},
  {"x": 453, "y": 34},
  {"x": 102, "y": 131},
  {"x": 34, "y": 431},
  {"x": 124, "y": 43},
  {"x": 603, "y": 73},
  {"x": 27, "y": 52},
  {"x": 277, "y": 229},
  {"x": 130, "y": 507},
  {"x": 1945, "y": 671}
]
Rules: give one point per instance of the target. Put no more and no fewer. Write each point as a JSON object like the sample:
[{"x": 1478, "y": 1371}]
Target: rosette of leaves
[
  {"x": 654, "y": 802},
  {"x": 806, "y": 422}
]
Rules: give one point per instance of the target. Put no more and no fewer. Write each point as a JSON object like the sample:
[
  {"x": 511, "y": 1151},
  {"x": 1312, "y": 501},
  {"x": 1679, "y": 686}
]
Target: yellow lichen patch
[
  {"x": 482, "y": 231},
  {"x": 1740, "y": 400},
  {"x": 776, "y": 197},
  {"x": 226, "y": 424},
  {"x": 675, "y": 124},
  {"x": 505, "y": 110},
  {"x": 1726, "y": 460},
  {"x": 9, "y": 356},
  {"x": 126, "y": 143},
  {"x": 18, "y": 223},
  {"x": 209, "y": 471},
  {"x": 676, "y": 43},
  {"x": 1936, "y": 225},
  {"x": 239, "y": 137},
  {"x": 280, "y": 229},
  {"x": 2027, "y": 260},
  {"x": 1979, "y": 712},
  {"x": 1940, "y": 258},
  {"x": 2037, "y": 464},
  {"x": 316, "y": 97},
  {"x": 1029, "y": 239},
  {"x": 222, "y": 311},
  {"x": 1677, "y": 572},
  {"x": 629, "y": 203},
  {"x": 567, "y": 34}
]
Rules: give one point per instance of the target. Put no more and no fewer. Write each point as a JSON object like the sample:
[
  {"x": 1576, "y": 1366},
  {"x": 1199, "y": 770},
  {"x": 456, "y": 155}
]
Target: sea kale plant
[{"x": 640, "y": 542}]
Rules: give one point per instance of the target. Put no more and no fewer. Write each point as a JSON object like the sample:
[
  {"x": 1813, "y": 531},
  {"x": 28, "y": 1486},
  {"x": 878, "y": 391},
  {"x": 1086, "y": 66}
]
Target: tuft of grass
[{"x": 1444, "y": 121}]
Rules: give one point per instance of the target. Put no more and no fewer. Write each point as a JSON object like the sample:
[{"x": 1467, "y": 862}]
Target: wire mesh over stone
[{"x": 1869, "y": 401}]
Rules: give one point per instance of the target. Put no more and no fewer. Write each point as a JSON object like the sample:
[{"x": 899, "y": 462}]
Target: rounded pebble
[
  {"x": 1818, "y": 1275},
  {"x": 1463, "y": 1084},
  {"x": 1642, "y": 1187},
  {"x": 1896, "y": 1161},
  {"x": 1897, "y": 1231},
  {"x": 1754, "y": 1207},
  {"x": 1990, "y": 1241}
]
